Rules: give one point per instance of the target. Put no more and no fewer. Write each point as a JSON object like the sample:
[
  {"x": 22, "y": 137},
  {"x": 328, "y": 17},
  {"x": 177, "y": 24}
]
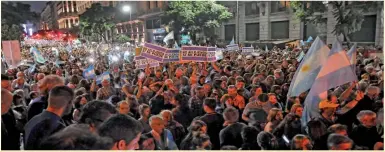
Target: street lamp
[{"x": 127, "y": 8}]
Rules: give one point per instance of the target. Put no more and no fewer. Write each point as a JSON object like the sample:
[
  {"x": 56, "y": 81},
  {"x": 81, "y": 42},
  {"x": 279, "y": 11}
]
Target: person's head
[
  {"x": 231, "y": 115},
  {"x": 179, "y": 100},
  {"x": 367, "y": 118},
  {"x": 20, "y": 74},
  {"x": 105, "y": 83},
  {"x": 76, "y": 137},
  {"x": 96, "y": 112},
  {"x": 144, "y": 111},
  {"x": 267, "y": 141},
  {"x": 248, "y": 134},
  {"x": 158, "y": 74},
  {"x": 20, "y": 80},
  {"x": 197, "y": 126},
  {"x": 202, "y": 79},
  {"x": 275, "y": 114},
  {"x": 6, "y": 82},
  {"x": 240, "y": 84},
  {"x": 157, "y": 123},
  {"x": 297, "y": 109},
  {"x": 256, "y": 90},
  {"x": 40, "y": 76},
  {"x": 301, "y": 142},
  {"x": 123, "y": 107},
  {"x": 200, "y": 92},
  {"x": 207, "y": 88},
  {"x": 124, "y": 130},
  {"x": 209, "y": 105},
  {"x": 327, "y": 108},
  {"x": 60, "y": 100},
  {"x": 49, "y": 82},
  {"x": 272, "y": 98},
  {"x": 263, "y": 98},
  {"x": 232, "y": 91},
  {"x": 201, "y": 142},
  {"x": 146, "y": 143},
  {"x": 6, "y": 100},
  {"x": 229, "y": 147},
  {"x": 179, "y": 72},
  {"x": 372, "y": 92},
  {"x": 167, "y": 116},
  {"x": 338, "y": 129},
  {"x": 339, "y": 142}
]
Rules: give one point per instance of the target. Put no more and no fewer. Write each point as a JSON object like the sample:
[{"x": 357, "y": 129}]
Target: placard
[
  {"x": 172, "y": 55},
  {"x": 211, "y": 54},
  {"x": 154, "y": 52},
  {"x": 247, "y": 50},
  {"x": 194, "y": 53},
  {"x": 142, "y": 63},
  {"x": 232, "y": 47},
  {"x": 11, "y": 51}
]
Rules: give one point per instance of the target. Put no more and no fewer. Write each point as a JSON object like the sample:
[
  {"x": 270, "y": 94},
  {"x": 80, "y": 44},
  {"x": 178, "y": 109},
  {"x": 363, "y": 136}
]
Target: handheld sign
[
  {"x": 172, "y": 55},
  {"x": 142, "y": 63},
  {"x": 247, "y": 50},
  {"x": 153, "y": 52},
  {"x": 232, "y": 47},
  {"x": 198, "y": 53}
]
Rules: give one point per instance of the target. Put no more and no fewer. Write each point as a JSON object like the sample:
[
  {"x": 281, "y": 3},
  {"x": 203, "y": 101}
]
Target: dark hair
[
  {"x": 263, "y": 97},
  {"x": 115, "y": 99},
  {"x": 62, "y": 91},
  {"x": 336, "y": 128},
  {"x": 75, "y": 137},
  {"x": 229, "y": 147},
  {"x": 210, "y": 102},
  {"x": 198, "y": 140},
  {"x": 94, "y": 112},
  {"x": 249, "y": 134},
  {"x": 5, "y": 77},
  {"x": 336, "y": 139},
  {"x": 264, "y": 140},
  {"x": 120, "y": 127},
  {"x": 77, "y": 100}
]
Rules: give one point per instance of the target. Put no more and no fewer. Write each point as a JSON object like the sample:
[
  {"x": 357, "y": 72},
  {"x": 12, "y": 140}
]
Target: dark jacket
[
  {"x": 214, "y": 124},
  {"x": 231, "y": 135},
  {"x": 40, "y": 127},
  {"x": 37, "y": 106},
  {"x": 365, "y": 137},
  {"x": 10, "y": 135}
]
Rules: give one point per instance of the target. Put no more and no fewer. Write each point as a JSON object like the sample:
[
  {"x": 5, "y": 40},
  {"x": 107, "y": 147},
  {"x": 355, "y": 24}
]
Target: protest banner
[
  {"x": 11, "y": 51},
  {"x": 194, "y": 53},
  {"x": 154, "y": 52},
  {"x": 138, "y": 51},
  {"x": 232, "y": 47},
  {"x": 142, "y": 63},
  {"x": 211, "y": 52},
  {"x": 172, "y": 55},
  {"x": 247, "y": 50},
  {"x": 89, "y": 73}
]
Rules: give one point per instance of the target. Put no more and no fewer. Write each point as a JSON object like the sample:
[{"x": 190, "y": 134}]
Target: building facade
[
  {"x": 67, "y": 14},
  {"x": 48, "y": 17},
  {"x": 274, "y": 20}
]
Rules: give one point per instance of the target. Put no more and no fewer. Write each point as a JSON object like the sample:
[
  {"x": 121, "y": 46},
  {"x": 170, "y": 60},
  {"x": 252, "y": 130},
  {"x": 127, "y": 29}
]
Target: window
[
  {"x": 252, "y": 31},
  {"x": 310, "y": 30},
  {"x": 280, "y": 30},
  {"x": 251, "y": 8},
  {"x": 278, "y": 6},
  {"x": 156, "y": 4},
  {"x": 149, "y": 24},
  {"x": 229, "y": 32},
  {"x": 156, "y": 23},
  {"x": 149, "y": 5},
  {"x": 367, "y": 32}
]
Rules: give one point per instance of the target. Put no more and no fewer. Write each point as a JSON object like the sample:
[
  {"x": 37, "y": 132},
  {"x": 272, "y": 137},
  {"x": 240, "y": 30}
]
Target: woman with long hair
[{"x": 273, "y": 119}]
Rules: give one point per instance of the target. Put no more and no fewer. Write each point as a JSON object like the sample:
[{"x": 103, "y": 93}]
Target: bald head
[
  {"x": 49, "y": 82},
  {"x": 6, "y": 100}
]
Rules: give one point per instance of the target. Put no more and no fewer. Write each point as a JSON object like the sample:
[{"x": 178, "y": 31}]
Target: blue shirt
[{"x": 40, "y": 127}]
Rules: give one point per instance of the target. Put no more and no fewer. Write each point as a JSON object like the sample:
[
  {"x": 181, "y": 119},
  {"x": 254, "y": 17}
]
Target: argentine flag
[
  {"x": 352, "y": 55},
  {"x": 89, "y": 73},
  {"x": 335, "y": 71},
  {"x": 232, "y": 41},
  {"x": 308, "y": 69},
  {"x": 103, "y": 76},
  {"x": 37, "y": 55},
  {"x": 309, "y": 39}
]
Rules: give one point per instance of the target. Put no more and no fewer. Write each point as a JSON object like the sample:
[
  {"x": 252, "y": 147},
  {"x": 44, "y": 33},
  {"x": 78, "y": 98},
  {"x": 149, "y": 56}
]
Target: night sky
[{"x": 36, "y": 6}]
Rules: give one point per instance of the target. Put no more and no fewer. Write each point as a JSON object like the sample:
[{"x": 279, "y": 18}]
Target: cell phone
[{"x": 286, "y": 139}]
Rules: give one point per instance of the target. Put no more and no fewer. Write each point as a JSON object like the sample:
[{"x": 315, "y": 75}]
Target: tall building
[
  {"x": 83, "y": 5},
  {"x": 67, "y": 14},
  {"x": 273, "y": 20},
  {"x": 48, "y": 17},
  {"x": 131, "y": 25},
  {"x": 149, "y": 13}
]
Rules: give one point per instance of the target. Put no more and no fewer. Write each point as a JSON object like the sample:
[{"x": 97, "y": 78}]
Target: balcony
[{"x": 67, "y": 14}]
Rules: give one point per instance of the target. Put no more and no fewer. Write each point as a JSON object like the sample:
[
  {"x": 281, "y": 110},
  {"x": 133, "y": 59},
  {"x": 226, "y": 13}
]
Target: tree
[
  {"x": 349, "y": 15},
  {"x": 96, "y": 21},
  {"x": 194, "y": 17},
  {"x": 122, "y": 38},
  {"x": 12, "y": 16}
]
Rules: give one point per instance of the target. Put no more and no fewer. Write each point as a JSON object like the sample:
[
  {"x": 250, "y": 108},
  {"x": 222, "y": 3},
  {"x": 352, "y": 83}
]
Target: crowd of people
[{"x": 237, "y": 103}]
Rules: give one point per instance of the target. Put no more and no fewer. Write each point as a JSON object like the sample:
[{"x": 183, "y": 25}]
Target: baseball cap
[{"x": 327, "y": 104}]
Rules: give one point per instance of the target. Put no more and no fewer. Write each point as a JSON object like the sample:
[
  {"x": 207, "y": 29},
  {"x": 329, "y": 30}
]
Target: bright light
[
  {"x": 117, "y": 47},
  {"x": 91, "y": 60},
  {"x": 126, "y": 8},
  {"x": 92, "y": 50},
  {"x": 115, "y": 58},
  {"x": 30, "y": 31}
]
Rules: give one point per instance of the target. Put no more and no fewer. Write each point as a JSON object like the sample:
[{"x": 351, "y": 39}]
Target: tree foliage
[
  {"x": 96, "y": 21},
  {"x": 12, "y": 16},
  {"x": 122, "y": 38},
  {"x": 349, "y": 15},
  {"x": 195, "y": 16}
]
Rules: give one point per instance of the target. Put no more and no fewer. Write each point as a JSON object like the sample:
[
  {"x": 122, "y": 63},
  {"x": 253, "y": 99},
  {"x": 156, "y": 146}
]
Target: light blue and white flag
[
  {"x": 37, "y": 55},
  {"x": 335, "y": 71},
  {"x": 309, "y": 39},
  {"x": 32, "y": 68},
  {"x": 176, "y": 45},
  {"x": 266, "y": 49},
  {"x": 352, "y": 55},
  {"x": 309, "y": 67},
  {"x": 89, "y": 73},
  {"x": 232, "y": 41},
  {"x": 302, "y": 43},
  {"x": 103, "y": 76}
]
